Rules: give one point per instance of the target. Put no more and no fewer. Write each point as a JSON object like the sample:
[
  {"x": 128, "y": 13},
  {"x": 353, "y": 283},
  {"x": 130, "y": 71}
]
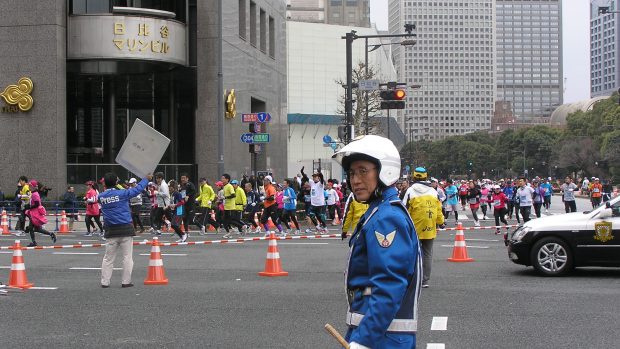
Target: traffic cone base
[
  {"x": 272, "y": 263},
  {"x": 5, "y": 224},
  {"x": 17, "y": 277},
  {"x": 459, "y": 252},
  {"x": 156, "y": 274}
]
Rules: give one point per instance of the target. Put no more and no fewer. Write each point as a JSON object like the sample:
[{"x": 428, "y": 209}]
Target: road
[{"x": 215, "y": 299}]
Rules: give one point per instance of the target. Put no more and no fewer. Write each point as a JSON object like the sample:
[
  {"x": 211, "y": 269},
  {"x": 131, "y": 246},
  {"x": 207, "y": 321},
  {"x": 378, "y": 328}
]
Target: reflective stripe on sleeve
[{"x": 397, "y": 325}]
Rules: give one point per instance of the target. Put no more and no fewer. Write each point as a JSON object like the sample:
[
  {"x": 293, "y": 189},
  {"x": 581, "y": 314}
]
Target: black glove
[{"x": 344, "y": 235}]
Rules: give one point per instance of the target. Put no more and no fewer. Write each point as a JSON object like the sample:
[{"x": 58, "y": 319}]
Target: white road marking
[
  {"x": 440, "y": 323},
  {"x": 43, "y": 288},
  {"x": 3, "y": 267},
  {"x": 304, "y": 243},
  {"x": 76, "y": 253},
  {"x": 435, "y": 346},
  {"x": 81, "y": 268},
  {"x": 468, "y": 246},
  {"x": 6, "y": 252},
  {"x": 166, "y": 254},
  {"x": 483, "y": 240}
]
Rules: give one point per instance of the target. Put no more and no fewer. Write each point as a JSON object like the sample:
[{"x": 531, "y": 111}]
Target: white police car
[{"x": 556, "y": 244}]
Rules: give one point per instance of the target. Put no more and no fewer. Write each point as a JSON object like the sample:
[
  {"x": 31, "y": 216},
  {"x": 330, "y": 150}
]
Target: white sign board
[
  {"x": 143, "y": 149},
  {"x": 368, "y": 85}
]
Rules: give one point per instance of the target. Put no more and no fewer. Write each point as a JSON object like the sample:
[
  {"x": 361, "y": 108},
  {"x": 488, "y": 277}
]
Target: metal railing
[{"x": 81, "y": 173}]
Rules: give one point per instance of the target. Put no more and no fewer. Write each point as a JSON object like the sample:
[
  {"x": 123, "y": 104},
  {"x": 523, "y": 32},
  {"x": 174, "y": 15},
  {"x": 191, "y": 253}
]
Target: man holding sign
[{"x": 118, "y": 227}]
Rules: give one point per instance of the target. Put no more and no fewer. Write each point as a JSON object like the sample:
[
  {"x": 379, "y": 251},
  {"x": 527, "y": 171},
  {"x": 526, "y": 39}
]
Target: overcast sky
[{"x": 576, "y": 40}]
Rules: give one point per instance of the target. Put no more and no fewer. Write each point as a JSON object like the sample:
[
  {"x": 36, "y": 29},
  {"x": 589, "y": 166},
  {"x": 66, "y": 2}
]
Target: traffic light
[
  {"x": 393, "y": 99},
  {"x": 345, "y": 133}
]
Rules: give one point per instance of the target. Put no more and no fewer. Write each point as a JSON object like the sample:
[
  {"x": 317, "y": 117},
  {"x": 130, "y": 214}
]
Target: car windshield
[{"x": 615, "y": 202}]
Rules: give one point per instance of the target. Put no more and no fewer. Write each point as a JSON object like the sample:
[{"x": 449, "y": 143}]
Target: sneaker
[
  {"x": 53, "y": 236},
  {"x": 88, "y": 234},
  {"x": 497, "y": 232},
  {"x": 283, "y": 234},
  {"x": 308, "y": 231},
  {"x": 126, "y": 285},
  {"x": 152, "y": 230},
  {"x": 257, "y": 230},
  {"x": 105, "y": 286},
  {"x": 184, "y": 237},
  {"x": 202, "y": 231},
  {"x": 158, "y": 233},
  {"x": 297, "y": 232},
  {"x": 546, "y": 211},
  {"x": 20, "y": 233},
  {"x": 32, "y": 244},
  {"x": 227, "y": 236},
  {"x": 477, "y": 224}
]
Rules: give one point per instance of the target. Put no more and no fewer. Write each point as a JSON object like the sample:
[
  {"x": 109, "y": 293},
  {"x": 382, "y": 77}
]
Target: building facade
[
  {"x": 354, "y": 13},
  {"x": 97, "y": 66},
  {"x": 604, "y": 48},
  {"x": 529, "y": 57},
  {"x": 453, "y": 61}
]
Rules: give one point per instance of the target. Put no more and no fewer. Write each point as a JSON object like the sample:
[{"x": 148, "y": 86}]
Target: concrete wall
[
  {"x": 33, "y": 44},
  {"x": 253, "y": 74}
]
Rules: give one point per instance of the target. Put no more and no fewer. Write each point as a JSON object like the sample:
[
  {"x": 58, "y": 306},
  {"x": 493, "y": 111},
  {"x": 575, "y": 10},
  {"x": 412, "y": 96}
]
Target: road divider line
[
  {"x": 166, "y": 254},
  {"x": 84, "y": 268},
  {"x": 439, "y": 323},
  {"x": 483, "y": 240},
  {"x": 435, "y": 346},
  {"x": 304, "y": 243},
  {"x": 76, "y": 253},
  {"x": 43, "y": 288}
]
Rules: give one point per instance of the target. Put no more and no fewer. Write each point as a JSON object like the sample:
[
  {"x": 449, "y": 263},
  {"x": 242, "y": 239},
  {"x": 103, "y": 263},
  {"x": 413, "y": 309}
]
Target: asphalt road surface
[{"x": 215, "y": 298}]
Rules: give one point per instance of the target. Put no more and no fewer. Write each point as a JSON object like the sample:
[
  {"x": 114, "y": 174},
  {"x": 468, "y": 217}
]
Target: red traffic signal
[{"x": 393, "y": 99}]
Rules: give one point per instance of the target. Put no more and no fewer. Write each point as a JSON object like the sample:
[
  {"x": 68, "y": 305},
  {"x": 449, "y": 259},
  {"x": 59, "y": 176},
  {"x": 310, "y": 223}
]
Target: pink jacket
[
  {"x": 37, "y": 215},
  {"x": 92, "y": 206}
]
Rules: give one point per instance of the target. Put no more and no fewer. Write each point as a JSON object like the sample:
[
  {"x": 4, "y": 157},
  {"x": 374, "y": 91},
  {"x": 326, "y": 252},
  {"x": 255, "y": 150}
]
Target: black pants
[
  {"x": 158, "y": 217},
  {"x": 525, "y": 212},
  {"x": 271, "y": 211},
  {"x": 537, "y": 207},
  {"x": 135, "y": 216},
  {"x": 547, "y": 203},
  {"x": 204, "y": 218},
  {"x": 32, "y": 229},
  {"x": 290, "y": 216},
  {"x": 483, "y": 207},
  {"x": 89, "y": 222},
  {"x": 248, "y": 218},
  {"x": 188, "y": 216},
  {"x": 500, "y": 216},
  {"x": 317, "y": 213},
  {"x": 596, "y": 202},
  {"x": 21, "y": 221},
  {"x": 232, "y": 217},
  {"x": 517, "y": 207},
  {"x": 334, "y": 209},
  {"x": 570, "y": 206}
]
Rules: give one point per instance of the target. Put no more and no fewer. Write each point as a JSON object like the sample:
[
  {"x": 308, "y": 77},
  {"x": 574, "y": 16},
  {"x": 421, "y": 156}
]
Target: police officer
[{"x": 384, "y": 271}]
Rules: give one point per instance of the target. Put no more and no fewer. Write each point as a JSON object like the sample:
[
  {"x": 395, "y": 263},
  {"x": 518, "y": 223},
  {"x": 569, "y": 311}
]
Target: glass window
[{"x": 242, "y": 14}]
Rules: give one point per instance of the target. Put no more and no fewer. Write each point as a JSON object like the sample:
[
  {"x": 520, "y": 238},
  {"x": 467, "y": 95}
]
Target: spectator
[
  {"x": 568, "y": 190},
  {"x": 69, "y": 205}
]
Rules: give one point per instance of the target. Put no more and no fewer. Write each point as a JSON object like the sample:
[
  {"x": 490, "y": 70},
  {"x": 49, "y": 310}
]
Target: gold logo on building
[
  {"x": 231, "y": 104},
  {"x": 19, "y": 94}
]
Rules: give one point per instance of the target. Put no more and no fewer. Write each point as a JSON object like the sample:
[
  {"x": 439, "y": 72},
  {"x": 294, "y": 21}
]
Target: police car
[{"x": 556, "y": 244}]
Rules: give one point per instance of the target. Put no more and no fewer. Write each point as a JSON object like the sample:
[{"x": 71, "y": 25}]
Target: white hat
[
  {"x": 268, "y": 178},
  {"x": 132, "y": 180}
]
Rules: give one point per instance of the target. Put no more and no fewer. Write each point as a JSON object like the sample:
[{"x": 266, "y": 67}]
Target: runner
[
  {"x": 36, "y": 213},
  {"x": 452, "y": 200},
  {"x": 499, "y": 207},
  {"x": 473, "y": 199},
  {"x": 92, "y": 209},
  {"x": 290, "y": 204}
]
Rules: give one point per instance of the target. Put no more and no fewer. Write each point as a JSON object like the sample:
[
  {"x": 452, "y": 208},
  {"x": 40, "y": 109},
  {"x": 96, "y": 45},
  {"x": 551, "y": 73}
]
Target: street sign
[
  {"x": 333, "y": 145},
  {"x": 263, "y": 117},
  {"x": 327, "y": 139},
  {"x": 368, "y": 85},
  {"x": 251, "y": 138}
]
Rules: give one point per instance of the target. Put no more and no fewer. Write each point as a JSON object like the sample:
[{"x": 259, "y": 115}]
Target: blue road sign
[
  {"x": 263, "y": 117},
  {"x": 334, "y": 145},
  {"x": 327, "y": 139}
]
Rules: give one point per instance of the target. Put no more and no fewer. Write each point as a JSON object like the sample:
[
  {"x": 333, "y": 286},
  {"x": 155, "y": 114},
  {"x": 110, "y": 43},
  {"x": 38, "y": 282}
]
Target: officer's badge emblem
[
  {"x": 602, "y": 231},
  {"x": 385, "y": 241}
]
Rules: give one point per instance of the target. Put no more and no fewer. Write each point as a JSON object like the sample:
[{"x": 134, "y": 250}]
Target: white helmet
[{"x": 378, "y": 148}]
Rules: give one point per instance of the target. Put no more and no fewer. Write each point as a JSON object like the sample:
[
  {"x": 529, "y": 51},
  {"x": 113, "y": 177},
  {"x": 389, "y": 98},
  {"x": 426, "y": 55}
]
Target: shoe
[
  {"x": 152, "y": 230},
  {"x": 20, "y": 233},
  {"x": 126, "y": 285},
  {"x": 283, "y": 234},
  {"x": 184, "y": 237},
  {"x": 88, "y": 234},
  {"x": 95, "y": 231},
  {"x": 105, "y": 286},
  {"x": 202, "y": 231},
  {"x": 32, "y": 244},
  {"x": 257, "y": 230},
  {"x": 546, "y": 211},
  {"x": 53, "y": 236},
  {"x": 497, "y": 232},
  {"x": 158, "y": 233},
  {"x": 308, "y": 231},
  {"x": 424, "y": 285},
  {"x": 477, "y": 224},
  {"x": 227, "y": 236}
]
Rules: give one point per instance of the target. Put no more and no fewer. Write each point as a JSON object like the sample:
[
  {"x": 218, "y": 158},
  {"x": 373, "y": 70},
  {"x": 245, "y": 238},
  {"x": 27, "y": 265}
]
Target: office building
[
  {"x": 604, "y": 48},
  {"x": 353, "y": 13}
]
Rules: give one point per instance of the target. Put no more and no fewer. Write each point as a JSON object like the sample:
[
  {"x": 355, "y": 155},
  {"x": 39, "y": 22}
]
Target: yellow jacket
[
  {"x": 206, "y": 196},
  {"x": 354, "y": 210},
  {"x": 240, "y": 199},
  {"x": 25, "y": 194},
  {"x": 425, "y": 210}
]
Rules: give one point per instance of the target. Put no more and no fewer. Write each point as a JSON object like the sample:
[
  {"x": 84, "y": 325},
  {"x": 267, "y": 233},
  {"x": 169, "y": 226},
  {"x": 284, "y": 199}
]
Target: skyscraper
[
  {"x": 354, "y": 13},
  {"x": 453, "y": 62},
  {"x": 604, "y": 29},
  {"x": 529, "y": 57}
]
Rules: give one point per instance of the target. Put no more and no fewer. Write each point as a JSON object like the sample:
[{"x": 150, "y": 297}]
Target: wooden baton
[{"x": 331, "y": 330}]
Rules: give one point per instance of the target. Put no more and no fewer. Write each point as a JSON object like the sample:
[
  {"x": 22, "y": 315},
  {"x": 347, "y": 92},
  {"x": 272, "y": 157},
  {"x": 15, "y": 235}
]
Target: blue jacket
[
  {"x": 509, "y": 192},
  {"x": 290, "y": 204},
  {"x": 115, "y": 204},
  {"x": 383, "y": 276}
]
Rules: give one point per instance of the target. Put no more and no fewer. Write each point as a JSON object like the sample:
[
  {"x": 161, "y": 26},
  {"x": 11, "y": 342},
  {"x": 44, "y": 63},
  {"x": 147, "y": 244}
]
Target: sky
[{"x": 576, "y": 44}]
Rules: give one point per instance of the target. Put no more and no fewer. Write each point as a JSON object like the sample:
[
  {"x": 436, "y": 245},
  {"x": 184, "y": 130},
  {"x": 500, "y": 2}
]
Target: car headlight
[{"x": 520, "y": 233}]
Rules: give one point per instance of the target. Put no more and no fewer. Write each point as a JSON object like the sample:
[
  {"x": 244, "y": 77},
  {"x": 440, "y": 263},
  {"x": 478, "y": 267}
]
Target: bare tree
[{"x": 361, "y": 119}]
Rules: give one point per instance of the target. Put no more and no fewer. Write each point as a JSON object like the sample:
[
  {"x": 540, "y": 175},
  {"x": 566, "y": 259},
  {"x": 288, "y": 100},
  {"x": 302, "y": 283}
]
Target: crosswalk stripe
[{"x": 435, "y": 346}]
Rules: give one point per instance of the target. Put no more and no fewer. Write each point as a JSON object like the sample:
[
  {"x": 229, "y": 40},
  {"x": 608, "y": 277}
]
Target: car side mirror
[{"x": 606, "y": 213}]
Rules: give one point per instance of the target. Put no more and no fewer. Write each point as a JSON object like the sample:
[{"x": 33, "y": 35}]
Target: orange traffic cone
[
  {"x": 336, "y": 220},
  {"x": 156, "y": 274},
  {"x": 17, "y": 277},
  {"x": 64, "y": 226},
  {"x": 5, "y": 224},
  {"x": 272, "y": 263},
  {"x": 459, "y": 252}
]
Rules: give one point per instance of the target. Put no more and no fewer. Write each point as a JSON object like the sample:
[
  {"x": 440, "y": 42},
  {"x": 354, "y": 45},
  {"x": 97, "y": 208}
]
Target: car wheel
[{"x": 552, "y": 257}]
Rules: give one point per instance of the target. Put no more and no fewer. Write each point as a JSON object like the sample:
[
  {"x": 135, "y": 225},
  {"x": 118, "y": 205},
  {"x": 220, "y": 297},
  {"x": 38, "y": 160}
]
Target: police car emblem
[
  {"x": 603, "y": 231},
  {"x": 385, "y": 241}
]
